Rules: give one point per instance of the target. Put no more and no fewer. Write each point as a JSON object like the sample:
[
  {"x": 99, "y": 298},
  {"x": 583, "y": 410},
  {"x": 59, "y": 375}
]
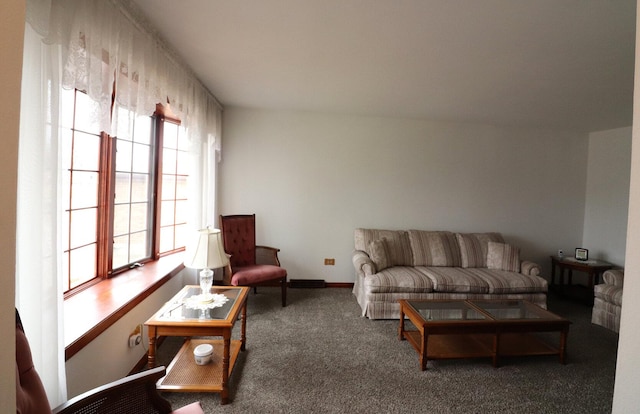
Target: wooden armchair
[{"x": 250, "y": 264}]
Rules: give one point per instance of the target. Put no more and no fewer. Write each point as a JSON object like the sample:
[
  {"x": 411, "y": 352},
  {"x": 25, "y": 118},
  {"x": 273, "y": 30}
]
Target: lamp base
[{"x": 206, "y": 281}]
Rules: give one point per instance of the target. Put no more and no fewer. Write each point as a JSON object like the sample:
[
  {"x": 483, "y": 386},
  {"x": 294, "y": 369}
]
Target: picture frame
[{"x": 582, "y": 254}]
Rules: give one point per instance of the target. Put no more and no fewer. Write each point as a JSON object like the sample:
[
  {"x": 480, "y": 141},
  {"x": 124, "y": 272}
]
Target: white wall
[
  {"x": 312, "y": 178},
  {"x": 607, "y": 200},
  {"x": 11, "y": 40},
  {"x": 108, "y": 357}
]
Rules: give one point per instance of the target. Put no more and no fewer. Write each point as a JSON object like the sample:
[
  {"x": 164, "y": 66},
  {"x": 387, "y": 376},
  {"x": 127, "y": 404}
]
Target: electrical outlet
[
  {"x": 329, "y": 262},
  {"x": 135, "y": 338}
]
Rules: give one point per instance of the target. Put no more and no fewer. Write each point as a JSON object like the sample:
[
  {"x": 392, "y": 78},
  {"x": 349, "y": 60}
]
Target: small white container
[{"x": 202, "y": 354}]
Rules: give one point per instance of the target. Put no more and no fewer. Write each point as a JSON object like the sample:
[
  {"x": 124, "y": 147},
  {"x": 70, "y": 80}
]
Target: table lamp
[{"x": 205, "y": 252}]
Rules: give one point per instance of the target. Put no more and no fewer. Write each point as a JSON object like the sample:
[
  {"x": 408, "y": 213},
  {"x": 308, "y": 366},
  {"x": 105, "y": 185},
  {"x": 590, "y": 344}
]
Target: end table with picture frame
[{"x": 579, "y": 263}]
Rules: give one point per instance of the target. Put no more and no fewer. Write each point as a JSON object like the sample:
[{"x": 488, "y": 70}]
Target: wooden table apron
[{"x": 211, "y": 327}]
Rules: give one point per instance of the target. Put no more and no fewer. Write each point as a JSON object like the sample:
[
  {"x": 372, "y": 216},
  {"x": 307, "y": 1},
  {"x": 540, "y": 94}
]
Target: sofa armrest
[
  {"x": 363, "y": 263},
  {"x": 530, "y": 268},
  {"x": 614, "y": 277}
]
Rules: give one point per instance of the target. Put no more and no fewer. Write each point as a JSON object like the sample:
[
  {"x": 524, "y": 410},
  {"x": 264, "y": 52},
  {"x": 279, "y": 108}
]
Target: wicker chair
[
  {"x": 135, "y": 394},
  {"x": 250, "y": 265}
]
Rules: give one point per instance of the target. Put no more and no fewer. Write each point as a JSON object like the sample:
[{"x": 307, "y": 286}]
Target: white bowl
[{"x": 203, "y": 353}]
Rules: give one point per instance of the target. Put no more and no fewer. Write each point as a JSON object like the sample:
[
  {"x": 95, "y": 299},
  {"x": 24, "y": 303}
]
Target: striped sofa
[
  {"x": 607, "y": 301},
  {"x": 419, "y": 264}
]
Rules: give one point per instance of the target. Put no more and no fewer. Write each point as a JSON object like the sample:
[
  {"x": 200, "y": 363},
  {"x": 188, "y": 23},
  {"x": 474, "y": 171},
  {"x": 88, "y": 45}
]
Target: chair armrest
[
  {"x": 363, "y": 263},
  {"x": 614, "y": 277},
  {"x": 530, "y": 268},
  {"x": 267, "y": 255}
]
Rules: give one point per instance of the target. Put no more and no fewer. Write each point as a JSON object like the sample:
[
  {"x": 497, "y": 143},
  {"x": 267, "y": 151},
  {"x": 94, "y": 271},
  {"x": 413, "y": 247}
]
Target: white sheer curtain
[
  {"x": 38, "y": 262},
  {"x": 92, "y": 45}
]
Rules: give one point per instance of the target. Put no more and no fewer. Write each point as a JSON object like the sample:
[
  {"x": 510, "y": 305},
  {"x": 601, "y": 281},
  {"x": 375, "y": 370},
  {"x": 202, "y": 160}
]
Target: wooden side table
[{"x": 593, "y": 269}]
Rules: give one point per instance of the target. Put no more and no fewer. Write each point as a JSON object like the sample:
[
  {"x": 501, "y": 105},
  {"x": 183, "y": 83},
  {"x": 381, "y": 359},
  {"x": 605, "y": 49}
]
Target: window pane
[
  {"x": 83, "y": 227},
  {"x": 143, "y": 127},
  {"x": 181, "y": 235},
  {"x": 168, "y": 161},
  {"x": 183, "y": 163},
  {"x": 83, "y": 265},
  {"x": 124, "y": 124},
  {"x": 87, "y": 114},
  {"x": 167, "y": 213},
  {"x": 170, "y": 138},
  {"x": 120, "y": 251},
  {"x": 139, "y": 216},
  {"x": 182, "y": 188},
  {"x": 141, "y": 160},
  {"x": 181, "y": 211},
  {"x": 86, "y": 152},
  {"x": 166, "y": 239},
  {"x": 121, "y": 219},
  {"x": 123, "y": 188},
  {"x": 140, "y": 190},
  {"x": 168, "y": 187},
  {"x": 123, "y": 155},
  {"x": 139, "y": 250},
  {"x": 84, "y": 189}
]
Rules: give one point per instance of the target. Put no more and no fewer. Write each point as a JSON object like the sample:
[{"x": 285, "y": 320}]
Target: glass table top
[
  {"x": 464, "y": 310},
  {"x": 189, "y": 304}
]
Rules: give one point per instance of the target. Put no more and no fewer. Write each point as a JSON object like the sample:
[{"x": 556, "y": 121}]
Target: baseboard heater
[{"x": 306, "y": 283}]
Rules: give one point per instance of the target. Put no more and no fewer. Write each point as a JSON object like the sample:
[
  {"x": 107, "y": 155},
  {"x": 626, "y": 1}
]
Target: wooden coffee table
[
  {"x": 446, "y": 329},
  {"x": 178, "y": 317}
]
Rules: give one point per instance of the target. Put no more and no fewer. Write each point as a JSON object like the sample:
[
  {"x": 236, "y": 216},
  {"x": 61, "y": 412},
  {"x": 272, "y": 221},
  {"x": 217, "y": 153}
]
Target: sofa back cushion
[
  {"x": 503, "y": 256},
  {"x": 397, "y": 244},
  {"x": 475, "y": 246},
  {"x": 434, "y": 248}
]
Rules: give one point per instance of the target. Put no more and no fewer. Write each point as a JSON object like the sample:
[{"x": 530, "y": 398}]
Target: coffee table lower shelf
[
  {"x": 183, "y": 374},
  {"x": 457, "y": 346}
]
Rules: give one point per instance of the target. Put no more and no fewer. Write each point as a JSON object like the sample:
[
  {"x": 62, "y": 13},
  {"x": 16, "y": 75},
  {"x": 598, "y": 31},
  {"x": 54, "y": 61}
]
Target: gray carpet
[{"x": 319, "y": 355}]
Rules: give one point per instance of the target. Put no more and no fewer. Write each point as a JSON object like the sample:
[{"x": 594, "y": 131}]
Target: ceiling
[{"x": 561, "y": 64}]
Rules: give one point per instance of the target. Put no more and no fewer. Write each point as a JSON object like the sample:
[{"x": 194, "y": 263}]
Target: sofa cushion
[
  {"x": 398, "y": 242},
  {"x": 398, "y": 279},
  {"x": 380, "y": 254},
  {"x": 505, "y": 282},
  {"x": 434, "y": 248},
  {"x": 474, "y": 247},
  {"x": 503, "y": 256},
  {"x": 454, "y": 280}
]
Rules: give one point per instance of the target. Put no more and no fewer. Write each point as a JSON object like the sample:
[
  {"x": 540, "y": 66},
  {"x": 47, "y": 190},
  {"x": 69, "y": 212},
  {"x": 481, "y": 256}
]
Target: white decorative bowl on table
[{"x": 203, "y": 353}]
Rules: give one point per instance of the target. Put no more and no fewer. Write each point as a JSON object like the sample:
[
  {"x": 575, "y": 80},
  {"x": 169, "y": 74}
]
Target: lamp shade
[{"x": 205, "y": 251}]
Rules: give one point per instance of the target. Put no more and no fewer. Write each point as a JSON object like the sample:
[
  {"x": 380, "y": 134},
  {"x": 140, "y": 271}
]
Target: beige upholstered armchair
[{"x": 607, "y": 302}]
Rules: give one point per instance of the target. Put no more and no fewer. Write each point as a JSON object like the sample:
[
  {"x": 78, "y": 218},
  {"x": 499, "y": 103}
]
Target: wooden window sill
[{"x": 90, "y": 312}]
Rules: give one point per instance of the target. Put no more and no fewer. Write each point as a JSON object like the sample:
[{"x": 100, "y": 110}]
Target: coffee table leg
[
  {"x": 243, "y": 331},
  {"x": 496, "y": 349},
  {"x": 224, "y": 395},
  {"x": 151, "y": 358},
  {"x": 401, "y": 326},
  {"x": 563, "y": 345},
  {"x": 423, "y": 351}
]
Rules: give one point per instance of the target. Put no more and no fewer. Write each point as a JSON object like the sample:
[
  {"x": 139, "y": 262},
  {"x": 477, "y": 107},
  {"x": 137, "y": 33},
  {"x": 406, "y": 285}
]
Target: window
[{"x": 124, "y": 196}]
